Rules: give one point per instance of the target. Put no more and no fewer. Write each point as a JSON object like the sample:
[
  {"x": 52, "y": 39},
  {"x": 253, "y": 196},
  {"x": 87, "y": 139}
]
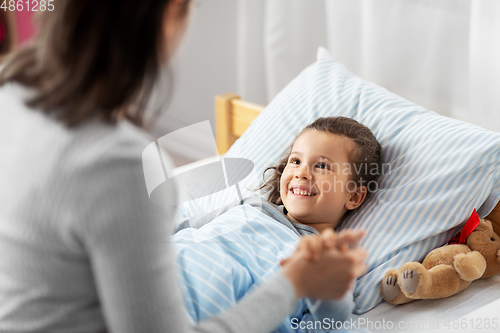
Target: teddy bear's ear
[
  {"x": 496, "y": 227},
  {"x": 488, "y": 222},
  {"x": 485, "y": 225}
]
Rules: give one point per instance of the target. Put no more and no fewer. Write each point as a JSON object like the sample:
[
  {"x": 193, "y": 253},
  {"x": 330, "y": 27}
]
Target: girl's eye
[
  {"x": 294, "y": 161},
  {"x": 323, "y": 166}
]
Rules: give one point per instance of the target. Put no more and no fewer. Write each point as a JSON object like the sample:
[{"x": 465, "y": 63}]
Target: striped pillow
[{"x": 437, "y": 169}]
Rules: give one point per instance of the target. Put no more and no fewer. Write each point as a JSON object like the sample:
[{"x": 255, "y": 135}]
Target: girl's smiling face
[{"x": 316, "y": 186}]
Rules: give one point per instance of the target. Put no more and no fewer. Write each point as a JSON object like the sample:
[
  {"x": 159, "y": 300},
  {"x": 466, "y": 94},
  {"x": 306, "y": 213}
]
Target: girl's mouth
[{"x": 301, "y": 192}]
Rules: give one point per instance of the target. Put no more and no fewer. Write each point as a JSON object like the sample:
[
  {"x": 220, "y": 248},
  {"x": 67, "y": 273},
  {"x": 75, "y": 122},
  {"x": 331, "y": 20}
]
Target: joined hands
[{"x": 326, "y": 266}]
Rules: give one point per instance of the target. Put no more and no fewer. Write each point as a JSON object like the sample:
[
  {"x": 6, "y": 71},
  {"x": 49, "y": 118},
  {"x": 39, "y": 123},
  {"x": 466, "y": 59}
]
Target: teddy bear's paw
[
  {"x": 470, "y": 266},
  {"x": 409, "y": 280},
  {"x": 390, "y": 287}
]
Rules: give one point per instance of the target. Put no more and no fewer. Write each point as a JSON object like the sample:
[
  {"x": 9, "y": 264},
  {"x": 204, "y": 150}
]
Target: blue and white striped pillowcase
[{"x": 441, "y": 168}]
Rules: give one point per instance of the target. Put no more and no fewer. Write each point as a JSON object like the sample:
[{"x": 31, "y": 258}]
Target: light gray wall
[{"x": 205, "y": 66}]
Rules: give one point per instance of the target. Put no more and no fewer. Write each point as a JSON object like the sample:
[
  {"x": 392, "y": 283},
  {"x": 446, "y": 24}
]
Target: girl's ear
[{"x": 356, "y": 198}]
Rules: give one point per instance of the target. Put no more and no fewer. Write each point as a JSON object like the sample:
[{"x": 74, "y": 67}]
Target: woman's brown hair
[
  {"x": 92, "y": 59},
  {"x": 6, "y": 33},
  {"x": 366, "y": 152}
]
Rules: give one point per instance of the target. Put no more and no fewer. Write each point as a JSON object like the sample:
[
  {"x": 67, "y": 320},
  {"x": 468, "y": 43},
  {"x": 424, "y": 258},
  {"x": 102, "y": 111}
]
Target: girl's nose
[{"x": 303, "y": 172}]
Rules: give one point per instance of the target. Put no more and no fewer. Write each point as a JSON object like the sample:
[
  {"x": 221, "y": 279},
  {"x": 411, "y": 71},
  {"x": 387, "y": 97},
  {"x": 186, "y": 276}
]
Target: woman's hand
[{"x": 325, "y": 267}]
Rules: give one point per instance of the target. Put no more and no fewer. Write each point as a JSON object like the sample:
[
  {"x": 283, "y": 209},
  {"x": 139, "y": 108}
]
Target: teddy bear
[{"x": 449, "y": 269}]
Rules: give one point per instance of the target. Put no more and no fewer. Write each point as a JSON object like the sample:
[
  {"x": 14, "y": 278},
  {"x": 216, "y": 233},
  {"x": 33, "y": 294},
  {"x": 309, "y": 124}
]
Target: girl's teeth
[{"x": 299, "y": 192}]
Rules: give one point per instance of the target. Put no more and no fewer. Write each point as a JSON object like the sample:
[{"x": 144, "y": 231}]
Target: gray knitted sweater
[{"x": 82, "y": 248}]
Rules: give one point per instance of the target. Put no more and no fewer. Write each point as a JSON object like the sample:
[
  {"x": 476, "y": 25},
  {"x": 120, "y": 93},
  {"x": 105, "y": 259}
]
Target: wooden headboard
[{"x": 233, "y": 116}]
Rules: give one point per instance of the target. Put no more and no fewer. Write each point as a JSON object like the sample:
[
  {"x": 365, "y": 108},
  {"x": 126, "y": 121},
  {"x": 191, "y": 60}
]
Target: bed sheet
[{"x": 476, "y": 309}]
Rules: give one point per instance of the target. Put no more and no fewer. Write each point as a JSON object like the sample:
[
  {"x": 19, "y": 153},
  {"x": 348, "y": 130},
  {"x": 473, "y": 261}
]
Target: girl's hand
[
  {"x": 312, "y": 248},
  {"x": 346, "y": 239},
  {"x": 314, "y": 245},
  {"x": 329, "y": 275}
]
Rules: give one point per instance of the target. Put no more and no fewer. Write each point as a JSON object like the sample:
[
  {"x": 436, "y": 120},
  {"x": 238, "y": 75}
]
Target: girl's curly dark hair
[{"x": 367, "y": 153}]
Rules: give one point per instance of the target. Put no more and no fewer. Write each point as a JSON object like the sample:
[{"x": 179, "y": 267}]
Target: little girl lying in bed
[{"x": 323, "y": 176}]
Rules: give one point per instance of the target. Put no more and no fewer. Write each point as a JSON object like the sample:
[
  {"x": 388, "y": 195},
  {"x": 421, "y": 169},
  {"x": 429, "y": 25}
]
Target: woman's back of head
[{"x": 93, "y": 58}]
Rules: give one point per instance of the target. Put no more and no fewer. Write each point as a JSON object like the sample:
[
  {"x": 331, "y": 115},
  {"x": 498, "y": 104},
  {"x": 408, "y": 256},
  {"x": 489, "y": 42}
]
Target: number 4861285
[{"x": 29, "y": 5}]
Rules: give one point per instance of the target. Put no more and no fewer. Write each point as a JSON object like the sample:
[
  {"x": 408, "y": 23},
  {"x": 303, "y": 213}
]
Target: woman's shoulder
[
  {"x": 96, "y": 141},
  {"x": 91, "y": 140},
  {"x": 52, "y": 155},
  {"x": 103, "y": 155},
  {"x": 104, "y": 173},
  {"x": 94, "y": 157},
  {"x": 76, "y": 181}
]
